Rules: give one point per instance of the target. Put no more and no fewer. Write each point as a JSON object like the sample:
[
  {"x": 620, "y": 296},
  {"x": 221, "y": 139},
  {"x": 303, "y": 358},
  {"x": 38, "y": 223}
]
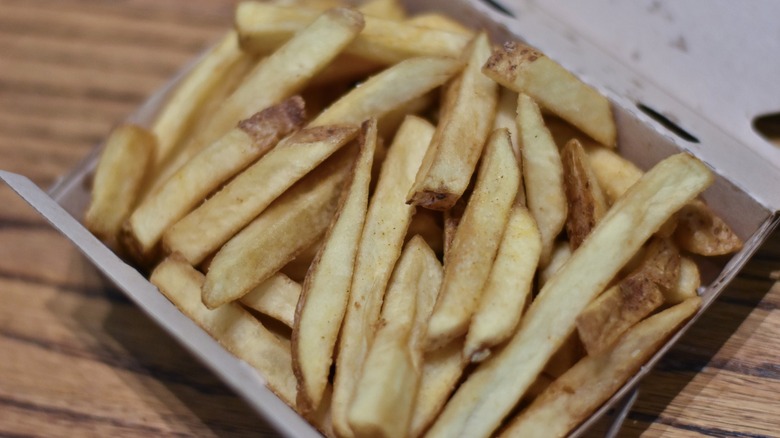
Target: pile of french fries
[{"x": 407, "y": 229}]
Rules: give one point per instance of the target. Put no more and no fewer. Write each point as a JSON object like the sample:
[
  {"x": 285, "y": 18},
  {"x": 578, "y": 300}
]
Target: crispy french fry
[
  {"x": 574, "y": 396},
  {"x": 275, "y": 297},
  {"x": 586, "y": 202},
  {"x": 687, "y": 285},
  {"x": 384, "y": 403},
  {"x": 283, "y": 73},
  {"x": 206, "y": 228},
  {"x": 235, "y": 328},
  {"x": 442, "y": 369},
  {"x": 460, "y": 135},
  {"x": 614, "y": 173},
  {"x": 387, "y": 220},
  {"x": 508, "y": 287},
  {"x": 292, "y": 223},
  {"x": 118, "y": 178},
  {"x": 526, "y": 70},
  {"x": 206, "y": 171},
  {"x": 702, "y": 232},
  {"x": 263, "y": 27},
  {"x": 476, "y": 241},
  {"x": 390, "y": 89},
  {"x": 542, "y": 174},
  {"x": 489, "y": 394},
  {"x": 325, "y": 294}
]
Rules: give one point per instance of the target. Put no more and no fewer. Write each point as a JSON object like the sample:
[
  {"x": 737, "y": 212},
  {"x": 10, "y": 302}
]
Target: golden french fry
[
  {"x": 118, "y": 178},
  {"x": 390, "y": 89},
  {"x": 206, "y": 228},
  {"x": 526, "y": 70},
  {"x": 615, "y": 174},
  {"x": 460, "y": 135},
  {"x": 194, "y": 181},
  {"x": 387, "y": 220},
  {"x": 702, "y": 232},
  {"x": 476, "y": 241},
  {"x": 489, "y": 394},
  {"x": 263, "y": 27},
  {"x": 687, "y": 285},
  {"x": 506, "y": 117},
  {"x": 586, "y": 202},
  {"x": 542, "y": 174},
  {"x": 579, "y": 392},
  {"x": 508, "y": 287},
  {"x": 275, "y": 297},
  {"x": 384, "y": 402},
  {"x": 326, "y": 288},
  {"x": 235, "y": 328},
  {"x": 292, "y": 223}
]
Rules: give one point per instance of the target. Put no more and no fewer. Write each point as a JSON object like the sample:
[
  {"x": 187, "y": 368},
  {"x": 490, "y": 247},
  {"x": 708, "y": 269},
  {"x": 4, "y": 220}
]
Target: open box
[{"x": 743, "y": 194}]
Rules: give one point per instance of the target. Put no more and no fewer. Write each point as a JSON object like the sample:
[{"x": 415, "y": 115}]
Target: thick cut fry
[
  {"x": 206, "y": 228},
  {"x": 387, "y": 220},
  {"x": 275, "y": 297},
  {"x": 508, "y": 287},
  {"x": 284, "y": 73},
  {"x": 386, "y": 389},
  {"x": 326, "y": 288},
  {"x": 291, "y": 224},
  {"x": 235, "y": 328},
  {"x": 460, "y": 136},
  {"x": 390, "y": 89},
  {"x": 585, "y": 200},
  {"x": 490, "y": 393},
  {"x": 688, "y": 283},
  {"x": 542, "y": 174},
  {"x": 476, "y": 241},
  {"x": 526, "y": 70},
  {"x": 206, "y": 171},
  {"x": 118, "y": 179},
  {"x": 700, "y": 231},
  {"x": 263, "y": 27},
  {"x": 580, "y": 391}
]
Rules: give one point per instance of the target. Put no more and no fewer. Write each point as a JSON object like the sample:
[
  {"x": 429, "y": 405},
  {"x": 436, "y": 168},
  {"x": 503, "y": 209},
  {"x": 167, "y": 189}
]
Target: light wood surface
[{"x": 78, "y": 359}]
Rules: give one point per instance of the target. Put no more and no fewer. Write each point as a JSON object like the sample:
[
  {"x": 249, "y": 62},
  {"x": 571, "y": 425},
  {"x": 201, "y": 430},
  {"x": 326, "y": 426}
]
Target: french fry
[
  {"x": 323, "y": 302},
  {"x": 390, "y": 89},
  {"x": 542, "y": 174},
  {"x": 452, "y": 218},
  {"x": 460, "y": 136},
  {"x": 585, "y": 200},
  {"x": 441, "y": 372},
  {"x": 574, "y": 396},
  {"x": 490, "y": 393},
  {"x": 288, "y": 69},
  {"x": 387, "y": 9},
  {"x": 118, "y": 178},
  {"x": 387, "y": 220},
  {"x": 206, "y": 171},
  {"x": 206, "y": 228},
  {"x": 687, "y": 285},
  {"x": 433, "y": 20},
  {"x": 614, "y": 173},
  {"x": 298, "y": 267},
  {"x": 508, "y": 287},
  {"x": 263, "y": 27},
  {"x": 235, "y": 328},
  {"x": 560, "y": 254},
  {"x": 526, "y": 70},
  {"x": 292, "y": 223},
  {"x": 476, "y": 241},
  {"x": 702, "y": 232},
  {"x": 275, "y": 297},
  {"x": 506, "y": 117},
  {"x": 384, "y": 404}
]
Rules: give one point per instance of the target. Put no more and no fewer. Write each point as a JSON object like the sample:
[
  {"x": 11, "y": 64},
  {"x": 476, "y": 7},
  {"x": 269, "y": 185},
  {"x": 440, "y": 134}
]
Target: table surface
[{"x": 77, "y": 358}]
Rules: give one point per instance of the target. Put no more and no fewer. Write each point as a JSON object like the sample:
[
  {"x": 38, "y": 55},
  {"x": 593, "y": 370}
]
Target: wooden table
[{"x": 77, "y": 358}]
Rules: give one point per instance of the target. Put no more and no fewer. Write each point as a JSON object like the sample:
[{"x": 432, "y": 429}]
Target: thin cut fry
[
  {"x": 526, "y": 70},
  {"x": 326, "y": 288},
  {"x": 235, "y": 328},
  {"x": 380, "y": 246},
  {"x": 490, "y": 393},
  {"x": 275, "y": 297},
  {"x": 118, "y": 179},
  {"x": 292, "y": 223},
  {"x": 465, "y": 125},
  {"x": 476, "y": 241},
  {"x": 574, "y": 396}
]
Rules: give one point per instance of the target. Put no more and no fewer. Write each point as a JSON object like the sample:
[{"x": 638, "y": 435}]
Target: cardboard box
[{"x": 747, "y": 167}]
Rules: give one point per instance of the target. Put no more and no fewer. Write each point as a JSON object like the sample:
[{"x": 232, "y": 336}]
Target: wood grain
[{"x": 77, "y": 358}]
